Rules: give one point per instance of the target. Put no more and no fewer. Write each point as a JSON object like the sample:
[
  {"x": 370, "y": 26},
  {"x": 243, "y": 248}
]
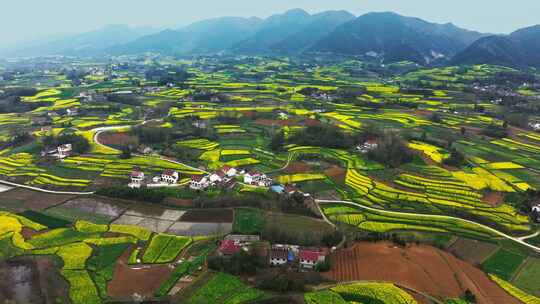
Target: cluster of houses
[
  {"x": 167, "y": 177},
  {"x": 279, "y": 255},
  {"x": 320, "y": 95},
  {"x": 226, "y": 176},
  {"x": 367, "y": 146}
]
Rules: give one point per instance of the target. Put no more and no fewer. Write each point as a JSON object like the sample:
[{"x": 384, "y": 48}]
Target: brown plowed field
[
  {"x": 423, "y": 268},
  {"x": 28, "y": 199},
  {"x": 117, "y": 139},
  {"x": 297, "y": 167},
  {"x": 129, "y": 280}
]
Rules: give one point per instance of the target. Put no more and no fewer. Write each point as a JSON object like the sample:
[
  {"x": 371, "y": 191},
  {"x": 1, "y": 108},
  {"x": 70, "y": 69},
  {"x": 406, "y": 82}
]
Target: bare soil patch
[
  {"x": 472, "y": 251},
  {"x": 336, "y": 173},
  {"x": 22, "y": 199},
  {"x": 144, "y": 280},
  {"x": 494, "y": 198},
  {"x": 177, "y": 202},
  {"x": 297, "y": 167},
  {"x": 423, "y": 268},
  {"x": 208, "y": 216},
  {"x": 116, "y": 139}
]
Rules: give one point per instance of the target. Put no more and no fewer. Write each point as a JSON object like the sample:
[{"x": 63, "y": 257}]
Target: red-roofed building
[
  {"x": 170, "y": 176},
  {"x": 199, "y": 182},
  {"x": 309, "y": 258},
  {"x": 137, "y": 177},
  {"x": 290, "y": 189},
  {"x": 229, "y": 247},
  {"x": 229, "y": 171}
]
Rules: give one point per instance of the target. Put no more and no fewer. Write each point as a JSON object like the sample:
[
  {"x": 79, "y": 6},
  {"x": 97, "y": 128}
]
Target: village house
[
  {"x": 216, "y": 177},
  {"x": 369, "y": 145},
  {"x": 86, "y": 96},
  {"x": 72, "y": 112},
  {"x": 536, "y": 209},
  {"x": 200, "y": 124},
  {"x": 307, "y": 259},
  {"x": 535, "y": 126},
  {"x": 229, "y": 171},
  {"x": 145, "y": 150},
  {"x": 137, "y": 177},
  {"x": 257, "y": 179},
  {"x": 278, "y": 256},
  {"x": 169, "y": 176},
  {"x": 64, "y": 151},
  {"x": 199, "y": 182},
  {"x": 46, "y": 129},
  {"x": 290, "y": 189},
  {"x": 229, "y": 247}
]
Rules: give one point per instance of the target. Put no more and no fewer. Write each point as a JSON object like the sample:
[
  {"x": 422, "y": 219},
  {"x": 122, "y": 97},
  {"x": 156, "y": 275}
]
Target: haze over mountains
[{"x": 388, "y": 37}]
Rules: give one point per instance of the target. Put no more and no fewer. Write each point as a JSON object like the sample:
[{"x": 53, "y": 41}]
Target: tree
[
  {"x": 392, "y": 151},
  {"x": 469, "y": 296},
  {"x": 278, "y": 140},
  {"x": 126, "y": 152},
  {"x": 456, "y": 159}
]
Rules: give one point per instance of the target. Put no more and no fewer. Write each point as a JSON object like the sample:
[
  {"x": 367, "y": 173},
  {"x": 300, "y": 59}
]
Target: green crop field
[
  {"x": 503, "y": 263},
  {"x": 248, "y": 221}
]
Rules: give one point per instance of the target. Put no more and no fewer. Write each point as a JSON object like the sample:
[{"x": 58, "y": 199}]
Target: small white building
[
  {"x": 229, "y": 171},
  {"x": 278, "y": 256},
  {"x": 64, "y": 150},
  {"x": 367, "y": 146},
  {"x": 199, "y": 182},
  {"x": 137, "y": 177},
  {"x": 535, "y": 126},
  {"x": 536, "y": 208},
  {"x": 170, "y": 177},
  {"x": 217, "y": 177},
  {"x": 257, "y": 179},
  {"x": 72, "y": 112}
]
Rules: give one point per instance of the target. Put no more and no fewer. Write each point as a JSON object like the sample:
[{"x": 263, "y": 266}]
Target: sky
[{"x": 29, "y": 20}]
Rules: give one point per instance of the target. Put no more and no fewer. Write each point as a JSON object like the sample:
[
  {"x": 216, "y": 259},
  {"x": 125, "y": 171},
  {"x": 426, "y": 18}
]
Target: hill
[
  {"x": 393, "y": 37},
  {"x": 520, "y": 48}
]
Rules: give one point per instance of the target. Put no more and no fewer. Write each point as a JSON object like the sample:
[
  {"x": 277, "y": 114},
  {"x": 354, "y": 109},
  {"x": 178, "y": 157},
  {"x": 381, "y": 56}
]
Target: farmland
[{"x": 350, "y": 151}]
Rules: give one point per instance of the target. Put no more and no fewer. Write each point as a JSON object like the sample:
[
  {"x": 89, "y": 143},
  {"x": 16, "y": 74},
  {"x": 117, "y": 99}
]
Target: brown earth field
[
  {"x": 208, "y": 216},
  {"x": 472, "y": 251},
  {"x": 494, "y": 198},
  {"x": 33, "y": 200},
  {"x": 116, "y": 139},
  {"x": 336, "y": 173},
  {"x": 420, "y": 267},
  {"x": 177, "y": 202},
  {"x": 143, "y": 280},
  {"x": 297, "y": 167}
]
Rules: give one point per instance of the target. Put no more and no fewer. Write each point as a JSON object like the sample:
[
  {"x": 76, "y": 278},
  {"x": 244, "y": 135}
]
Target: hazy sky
[{"x": 23, "y": 20}]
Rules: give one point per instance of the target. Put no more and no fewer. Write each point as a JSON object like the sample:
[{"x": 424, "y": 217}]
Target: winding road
[
  {"x": 497, "y": 232},
  {"x": 100, "y": 130}
]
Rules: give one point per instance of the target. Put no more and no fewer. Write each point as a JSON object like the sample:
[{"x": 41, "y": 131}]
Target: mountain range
[{"x": 385, "y": 36}]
